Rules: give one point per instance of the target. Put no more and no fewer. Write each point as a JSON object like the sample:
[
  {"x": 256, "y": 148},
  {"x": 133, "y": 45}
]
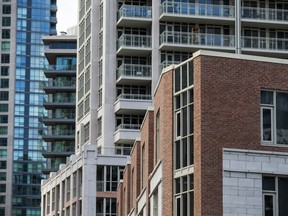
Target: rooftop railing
[
  {"x": 127, "y": 40},
  {"x": 134, "y": 70},
  {"x": 184, "y": 8},
  {"x": 203, "y": 39},
  {"x": 264, "y": 14},
  {"x": 135, "y": 11}
]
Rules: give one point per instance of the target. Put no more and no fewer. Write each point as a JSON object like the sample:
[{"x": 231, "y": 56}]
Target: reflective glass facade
[{"x": 35, "y": 18}]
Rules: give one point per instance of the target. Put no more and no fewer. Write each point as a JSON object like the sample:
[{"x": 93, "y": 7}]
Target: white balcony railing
[
  {"x": 127, "y": 40},
  {"x": 135, "y": 11},
  {"x": 134, "y": 70},
  {"x": 128, "y": 127},
  {"x": 135, "y": 96},
  {"x": 184, "y": 8},
  {"x": 202, "y": 39},
  {"x": 264, "y": 14},
  {"x": 279, "y": 44}
]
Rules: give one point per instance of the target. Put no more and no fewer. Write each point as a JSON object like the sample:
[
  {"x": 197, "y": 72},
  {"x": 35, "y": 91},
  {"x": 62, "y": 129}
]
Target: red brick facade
[{"x": 226, "y": 115}]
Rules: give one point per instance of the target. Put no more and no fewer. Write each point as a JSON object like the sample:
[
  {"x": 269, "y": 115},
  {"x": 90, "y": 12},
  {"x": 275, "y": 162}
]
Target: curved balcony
[
  {"x": 126, "y": 133},
  {"x": 265, "y": 17},
  {"x": 56, "y": 70},
  {"x": 134, "y": 45},
  {"x": 259, "y": 45},
  {"x": 132, "y": 103},
  {"x": 188, "y": 12},
  {"x": 134, "y": 16},
  {"x": 128, "y": 74},
  {"x": 191, "y": 42}
]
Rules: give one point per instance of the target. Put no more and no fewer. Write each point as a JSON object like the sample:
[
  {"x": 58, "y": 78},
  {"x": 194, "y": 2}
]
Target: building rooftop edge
[{"x": 237, "y": 56}]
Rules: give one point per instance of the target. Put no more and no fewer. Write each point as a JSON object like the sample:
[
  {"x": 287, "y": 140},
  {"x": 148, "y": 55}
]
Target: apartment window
[
  {"x": 2, "y": 200},
  {"x": 275, "y": 195},
  {"x": 5, "y": 58},
  {"x": 184, "y": 195},
  {"x": 5, "y": 33},
  {"x": 68, "y": 184},
  {"x": 4, "y": 96},
  {"x": 3, "y": 107},
  {"x": 86, "y": 132},
  {"x": 155, "y": 202},
  {"x": 74, "y": 184},
  {"x": 53, "y": 199},
  {"x": 6, "y": 21},
  {"x": 99, "y": 126},
  {"x": 2, "y": 188},
  {"x": 2, "y": 211},
  {"x": 48, "y": 202},
  {"x": 6, "y": 9},
  {"x": 3, "y": 118},
  {"x": 3, "y": 130},
  {"x": 4, "y": 83},
  {"x": 3, "y": 153},
  {"x": 3, "y": 176},
  {"x": 5, "y": 46},
  {"x": 143, "y": 166},
  {"x": 158, "y": 136},
  {"x": 4, "y": 71},
  {"x": 274, "y": 115},
  {"x": 3, "y": 141}
]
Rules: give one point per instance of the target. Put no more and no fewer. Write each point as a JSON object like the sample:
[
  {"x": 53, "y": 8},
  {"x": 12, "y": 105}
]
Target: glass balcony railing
[
  {"x": 135, "y": 96},
  {"x": 63, "y": 99},
  {"x": 128, "y": 127},
  {"x": 60, "y": 148},
  {"x": 202, "y": 39},
  {"x": 184, "y": 8},
  {"x": 61, "y": 83},
  {"x": 60, "y": 132},
  {"x": 62, "y": 67},
  {"x": 143, "y": 41},
  {"x": 134, "y": 70},
  {"x": 264, "y": 14},
  {"x": 264, "y": 43},
  {"x": 136, "y": 11},
  {"x": 63, "y": 115}
]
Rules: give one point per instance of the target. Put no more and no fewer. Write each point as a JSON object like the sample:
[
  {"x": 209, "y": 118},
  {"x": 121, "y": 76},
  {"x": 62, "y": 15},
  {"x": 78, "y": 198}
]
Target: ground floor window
[{"x": 275, "y": 195}]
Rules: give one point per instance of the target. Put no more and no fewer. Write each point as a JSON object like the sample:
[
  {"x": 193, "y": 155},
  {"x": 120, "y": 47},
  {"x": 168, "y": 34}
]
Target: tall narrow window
[
  {"x": 158, "y": 136},
  {"x": 143, "y": 166}
]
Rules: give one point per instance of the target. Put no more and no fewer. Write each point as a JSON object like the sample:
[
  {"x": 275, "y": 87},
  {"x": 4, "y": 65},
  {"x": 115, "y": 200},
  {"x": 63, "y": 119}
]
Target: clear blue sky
[{"x": 66, "y": 14}]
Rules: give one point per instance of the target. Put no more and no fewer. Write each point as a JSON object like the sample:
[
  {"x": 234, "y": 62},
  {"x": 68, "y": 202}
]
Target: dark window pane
[
  {"x": 178, "y": 157},
  {"x": 177, "y": 79},
  {"x": 266, "y": 97},
  {"x": 283, "y": 195},
  {"x": 268, "y": 205},
  {"x": 268, "y": 183},
  {"x": 177, "y": 185},
  {"x": 267, "y": 125},
  {"x": 282, "y": 118}
]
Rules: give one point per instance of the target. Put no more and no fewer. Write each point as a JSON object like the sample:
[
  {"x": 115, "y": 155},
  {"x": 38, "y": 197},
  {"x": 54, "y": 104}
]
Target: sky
[{"x": 66, "y": 14}]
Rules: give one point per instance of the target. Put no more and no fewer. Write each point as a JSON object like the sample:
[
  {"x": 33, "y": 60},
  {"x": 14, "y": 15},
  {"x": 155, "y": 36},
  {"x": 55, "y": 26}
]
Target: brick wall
[
  {"x": 227, "y": 115},
  {"x": 163, "y": 103}
]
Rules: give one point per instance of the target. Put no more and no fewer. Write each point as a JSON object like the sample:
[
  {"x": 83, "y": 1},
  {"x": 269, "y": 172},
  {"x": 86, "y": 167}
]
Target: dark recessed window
[
  {"x": 4, "y": 71},
  {"x": 6, "y": 21},
  {"x": 6, "y": 9},
  {"x": 5, "y": 33},
  {"x": 5, "y": 58}
]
